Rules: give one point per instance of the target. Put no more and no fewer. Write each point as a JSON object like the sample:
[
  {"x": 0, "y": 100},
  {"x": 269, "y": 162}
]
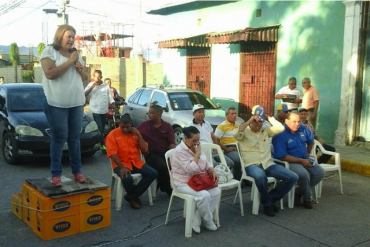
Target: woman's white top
[{"x": 66, "y": 91}]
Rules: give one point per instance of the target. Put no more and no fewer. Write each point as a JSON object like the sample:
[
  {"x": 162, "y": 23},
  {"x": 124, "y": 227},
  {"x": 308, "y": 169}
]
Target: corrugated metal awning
[
  {"x": 267, "y": 34},
  {"x": 195, "y": 41}
]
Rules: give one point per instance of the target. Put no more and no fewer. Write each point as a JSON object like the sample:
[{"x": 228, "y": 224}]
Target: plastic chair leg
[
  {"x": 319, "y": 189},
  {"x": 340, "y": 181},
  {"x": 256, "y": 199},
  {"x": 112, "y": 187},
  {"x": 291, "y": 194},
  {"x": 316, "y": 192},
  {"x": 216, "y": 217},
  {"x": 154, "y": 188},
  {"x": 150, "y": 197},
  {"x": 168, "y": 210},
  {"x": 119, "y": 195},
  {"x": 190, "y": 209},
  {"x": 240, "y": 200}
]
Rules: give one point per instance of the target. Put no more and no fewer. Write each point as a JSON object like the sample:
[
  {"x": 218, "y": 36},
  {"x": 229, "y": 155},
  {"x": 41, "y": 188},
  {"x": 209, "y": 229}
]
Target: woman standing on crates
[
  {"x": 187, "y": 161},
  {"x": 63, "y": 77}
]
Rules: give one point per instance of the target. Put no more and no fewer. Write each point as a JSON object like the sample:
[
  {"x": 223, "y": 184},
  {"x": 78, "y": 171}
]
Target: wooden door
[
  {"x": 199, "y": 69},
  {"x": 257, "y": 77}
]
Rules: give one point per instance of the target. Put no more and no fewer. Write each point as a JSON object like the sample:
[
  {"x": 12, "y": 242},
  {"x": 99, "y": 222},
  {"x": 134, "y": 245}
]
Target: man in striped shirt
[{"x": 225, "y": 134}]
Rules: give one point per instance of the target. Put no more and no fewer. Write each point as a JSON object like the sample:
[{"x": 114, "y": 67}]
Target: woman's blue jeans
[
  {"x": 287, "y": 177},
  {"x": 65, "y": 125}
]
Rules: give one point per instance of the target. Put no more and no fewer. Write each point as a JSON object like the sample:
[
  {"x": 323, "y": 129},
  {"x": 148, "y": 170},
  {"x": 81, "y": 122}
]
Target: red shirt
[
  {"x": 126, "y": 147},
  {"x": 159, "y": 139}
]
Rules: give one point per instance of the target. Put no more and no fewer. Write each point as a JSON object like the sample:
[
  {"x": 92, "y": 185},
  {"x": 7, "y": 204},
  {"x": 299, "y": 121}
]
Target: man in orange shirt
[
  {"x": 310, "y": 100},
  {"x": 124, "y": 145}
]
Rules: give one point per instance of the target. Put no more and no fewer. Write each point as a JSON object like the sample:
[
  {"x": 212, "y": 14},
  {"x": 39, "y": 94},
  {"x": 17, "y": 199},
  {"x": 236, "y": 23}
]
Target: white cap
[{"x": 197, "y": 107}]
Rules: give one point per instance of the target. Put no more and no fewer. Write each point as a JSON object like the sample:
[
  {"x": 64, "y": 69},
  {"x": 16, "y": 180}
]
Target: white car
[{"x": 177, "y": 104}]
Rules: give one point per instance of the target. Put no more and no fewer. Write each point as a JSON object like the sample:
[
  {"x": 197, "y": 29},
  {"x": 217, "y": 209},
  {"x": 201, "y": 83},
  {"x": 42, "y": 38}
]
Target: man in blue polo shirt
[{"x": 294, "y": 145}]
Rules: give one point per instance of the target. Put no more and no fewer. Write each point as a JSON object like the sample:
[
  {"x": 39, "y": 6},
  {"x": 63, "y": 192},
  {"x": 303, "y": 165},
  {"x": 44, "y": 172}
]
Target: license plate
[{"x": 65, "y": 147}]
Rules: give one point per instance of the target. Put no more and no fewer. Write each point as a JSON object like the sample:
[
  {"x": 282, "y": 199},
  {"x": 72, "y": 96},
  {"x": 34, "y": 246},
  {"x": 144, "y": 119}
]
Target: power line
[{"x": 25, "y": 15}]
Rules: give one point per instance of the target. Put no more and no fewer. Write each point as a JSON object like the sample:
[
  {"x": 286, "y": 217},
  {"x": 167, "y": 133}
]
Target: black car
[{"x": 24, "y": 130}]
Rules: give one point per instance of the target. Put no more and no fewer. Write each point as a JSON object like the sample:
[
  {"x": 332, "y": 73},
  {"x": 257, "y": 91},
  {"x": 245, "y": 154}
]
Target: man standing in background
[
  {"x": 288, "y": 91},
  {"x": 310, "y": 100}
]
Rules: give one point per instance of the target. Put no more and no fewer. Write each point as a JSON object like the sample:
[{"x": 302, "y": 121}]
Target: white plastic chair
[
  {"x": 189, "y": 204},
  {"x": 255, "y": 195},
  {"x": 327, "y": 167},
  {"x": 116, "y": 181},
  {"x": 208, "y": 150}
]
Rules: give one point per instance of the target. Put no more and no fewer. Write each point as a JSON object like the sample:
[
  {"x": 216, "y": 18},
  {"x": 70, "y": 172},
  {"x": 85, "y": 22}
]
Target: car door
[
  {"x": 139, "y": 108},
  {"x": 3, "y": 114}
]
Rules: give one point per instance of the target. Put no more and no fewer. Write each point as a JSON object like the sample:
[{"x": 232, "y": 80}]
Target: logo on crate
[
  {"x": 61, "y": 206},
  {"x": 94, "y": 200},
  {"x": 95, "y": 219},
  {"x": 61, "y": 226}
]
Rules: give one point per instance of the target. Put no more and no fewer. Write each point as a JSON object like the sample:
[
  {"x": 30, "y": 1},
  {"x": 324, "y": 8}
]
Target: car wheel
[
  {"x": 177, "y": 131},
  {"x": 9, "y": 149}
]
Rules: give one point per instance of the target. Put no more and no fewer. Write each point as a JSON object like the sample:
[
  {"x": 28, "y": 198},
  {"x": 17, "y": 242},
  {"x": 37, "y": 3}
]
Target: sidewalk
[{"x": 355, "y": 158}]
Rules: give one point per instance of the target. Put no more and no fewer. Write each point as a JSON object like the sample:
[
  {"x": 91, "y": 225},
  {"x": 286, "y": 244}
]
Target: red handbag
[{"x": 202, "y": 181}]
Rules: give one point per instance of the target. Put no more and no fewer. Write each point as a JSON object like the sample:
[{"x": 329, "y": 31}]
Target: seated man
[
  {"x": 282, "y": 112},
  {"x": 324, "y": 158},
  {"x": 256, "y": 155},
  {"x": 294, "y": 145},
  {"x": 124, "y": 145},
  {"x": 206, "y": 133},
  {"x": 225, "y": 133},
  {"x": 160, "y": 138}
]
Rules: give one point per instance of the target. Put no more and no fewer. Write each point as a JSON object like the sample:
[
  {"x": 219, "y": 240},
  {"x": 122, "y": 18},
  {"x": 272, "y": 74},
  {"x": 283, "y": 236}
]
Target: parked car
[
  {"x": 177, "y": 103},
  {"x": 24, "y": 130}
]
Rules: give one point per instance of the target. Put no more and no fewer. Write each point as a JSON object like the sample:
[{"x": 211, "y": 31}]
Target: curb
[{"x": 355, "y": 167}]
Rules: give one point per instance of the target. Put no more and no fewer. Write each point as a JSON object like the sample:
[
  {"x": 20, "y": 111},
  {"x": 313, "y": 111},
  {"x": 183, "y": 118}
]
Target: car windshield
[
  {"x": 27, "y": 100},
  {"x": 186, "y": 100}
]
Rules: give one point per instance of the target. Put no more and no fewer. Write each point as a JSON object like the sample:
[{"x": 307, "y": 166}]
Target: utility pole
[{"x": 62, "y": 16}]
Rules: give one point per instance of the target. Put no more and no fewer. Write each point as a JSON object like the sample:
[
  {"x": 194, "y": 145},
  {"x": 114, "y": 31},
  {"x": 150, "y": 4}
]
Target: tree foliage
[
  {"x": 40, "y": 48},
  {"x": 14, "y": 54}
]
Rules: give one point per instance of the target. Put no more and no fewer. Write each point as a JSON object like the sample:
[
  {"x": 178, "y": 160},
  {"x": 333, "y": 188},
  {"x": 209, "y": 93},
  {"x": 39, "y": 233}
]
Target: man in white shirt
[
  {"x": 100, "y": 99},
  {"x": 206, "y": 133},
  {"x": 289, "y": 91}
]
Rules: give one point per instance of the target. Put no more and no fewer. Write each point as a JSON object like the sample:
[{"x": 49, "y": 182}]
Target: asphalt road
[{"x": 338, "y": 220}]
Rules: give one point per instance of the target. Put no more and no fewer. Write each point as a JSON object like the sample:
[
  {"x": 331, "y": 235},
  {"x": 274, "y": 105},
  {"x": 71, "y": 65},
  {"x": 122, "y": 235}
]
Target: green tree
[
  {"x": 14, "y": 54},
  {"x": 40, "y": 48}
]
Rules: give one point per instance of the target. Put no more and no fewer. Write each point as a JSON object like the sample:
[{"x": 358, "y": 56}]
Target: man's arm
[
  {"x": 124, "y": 171},
  {"x": 315, "y": 108},
  {"x": 142, "y": 144},
  {"x": 309, "y": 148},
  {"x": 292, "y": 159}
]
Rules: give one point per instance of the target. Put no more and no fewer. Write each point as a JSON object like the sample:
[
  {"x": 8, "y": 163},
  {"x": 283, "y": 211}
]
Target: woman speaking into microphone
[{"x": 63, "y": 77}]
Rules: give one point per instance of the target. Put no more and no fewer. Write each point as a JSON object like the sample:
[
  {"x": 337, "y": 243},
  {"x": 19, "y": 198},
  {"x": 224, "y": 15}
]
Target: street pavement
[{"x": 337, "y": 220}]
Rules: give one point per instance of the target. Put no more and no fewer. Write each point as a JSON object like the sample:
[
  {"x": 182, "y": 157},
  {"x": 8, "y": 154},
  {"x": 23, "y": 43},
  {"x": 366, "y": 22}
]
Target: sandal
[
  {"x": 57, "y": 182},
  {"x": 80, "y": 178}
]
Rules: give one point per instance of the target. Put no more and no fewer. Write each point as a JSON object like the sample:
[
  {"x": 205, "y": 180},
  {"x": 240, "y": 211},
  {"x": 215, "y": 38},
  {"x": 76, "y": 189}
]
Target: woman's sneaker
[{"x": 210, "y": 225}]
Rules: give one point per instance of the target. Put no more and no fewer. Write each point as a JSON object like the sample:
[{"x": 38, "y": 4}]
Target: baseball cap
[
  {"x": 197, "y": 107},
  {"x": 302, "y": 109},
  {"x": 282, "y": 107},
  {"x": 258, "y": 110}
]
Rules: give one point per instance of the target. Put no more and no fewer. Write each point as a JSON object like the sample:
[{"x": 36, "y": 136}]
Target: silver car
[{"x": 177, "y": 104}]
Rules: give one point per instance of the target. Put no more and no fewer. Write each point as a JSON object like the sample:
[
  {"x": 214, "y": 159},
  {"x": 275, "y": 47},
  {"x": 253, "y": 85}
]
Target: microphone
[{"x": 73, "y": 50}]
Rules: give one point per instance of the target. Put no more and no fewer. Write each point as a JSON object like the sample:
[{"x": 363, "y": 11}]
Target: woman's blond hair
[{"x": 59, "y": 35}]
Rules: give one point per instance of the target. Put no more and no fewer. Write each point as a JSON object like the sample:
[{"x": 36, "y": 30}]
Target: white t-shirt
[
  {"x": 67, "y": 90},
  {"x": 295, "y": 91},
  {"x": 100, "y": 98},
  {"x": 205, "y": 131}
]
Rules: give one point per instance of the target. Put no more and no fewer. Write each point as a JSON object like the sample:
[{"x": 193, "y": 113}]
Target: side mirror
[
  {"x": 218, "y": 105},
  {"x": 165, "y": 108}
]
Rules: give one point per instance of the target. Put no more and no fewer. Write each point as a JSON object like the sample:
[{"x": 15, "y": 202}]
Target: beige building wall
[{"x": 11, "y": 74}]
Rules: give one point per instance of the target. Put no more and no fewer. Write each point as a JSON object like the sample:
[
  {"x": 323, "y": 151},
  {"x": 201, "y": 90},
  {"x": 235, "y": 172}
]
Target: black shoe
[
  {"x": 275, "y": 208},
  {"x": 138, "y": 200},
  {"x": 269, "y": 211},
  {"x": 132, "y": 201},
  {"x": 307, "y": 204}
]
